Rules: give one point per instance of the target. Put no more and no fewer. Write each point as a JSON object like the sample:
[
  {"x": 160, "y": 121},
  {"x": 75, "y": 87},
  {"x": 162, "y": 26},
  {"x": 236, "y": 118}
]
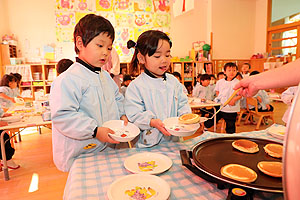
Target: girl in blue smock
[
  {"x": 8, "y": 85},
  {"x": 154, "y": 95}
]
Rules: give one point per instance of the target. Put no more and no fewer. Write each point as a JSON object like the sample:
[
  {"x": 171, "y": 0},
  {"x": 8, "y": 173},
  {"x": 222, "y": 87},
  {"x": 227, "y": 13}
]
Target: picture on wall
[{"x": 129, "y": 17}]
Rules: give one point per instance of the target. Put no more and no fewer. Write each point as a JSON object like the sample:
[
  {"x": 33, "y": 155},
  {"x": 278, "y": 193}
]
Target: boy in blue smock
[
  {"x": 224, "y": 89},
  {"x": 84, "y": 96},
  {"x": 154, "y": 95}
]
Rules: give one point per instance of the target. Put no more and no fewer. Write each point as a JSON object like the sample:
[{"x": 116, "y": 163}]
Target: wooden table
[{"x": 29, "y": 121}]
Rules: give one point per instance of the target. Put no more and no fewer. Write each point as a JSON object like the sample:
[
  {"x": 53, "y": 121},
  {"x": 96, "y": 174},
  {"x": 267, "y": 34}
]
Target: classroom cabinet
[{"x": 36, "y": 78}]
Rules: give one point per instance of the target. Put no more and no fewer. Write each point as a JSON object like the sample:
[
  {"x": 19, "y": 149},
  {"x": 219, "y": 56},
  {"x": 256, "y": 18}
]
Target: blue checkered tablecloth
[{"x": 91, "y": 174}]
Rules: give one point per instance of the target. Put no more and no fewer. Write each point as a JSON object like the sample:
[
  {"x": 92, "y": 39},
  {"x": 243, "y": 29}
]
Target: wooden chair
[
  {"x": 253, "y": 101},
  {"x": 240, "y": 114}
]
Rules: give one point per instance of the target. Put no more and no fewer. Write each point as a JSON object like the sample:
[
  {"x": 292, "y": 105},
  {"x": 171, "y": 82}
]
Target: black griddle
[{"x": 210, "y": 155}]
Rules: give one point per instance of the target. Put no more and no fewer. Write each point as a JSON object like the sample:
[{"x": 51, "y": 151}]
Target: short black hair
[
  {"x": 90, "y": 26},
  {"x": 7, "y": 78},
  {"x": 127, "y": 77},
  {"x": 248, "y": 65},
  {"x": 254, "y": 73},
  {"x": 63, "y": 65},
  {"x": 146, "y": 44},
  {"x": 230, "y": 64},
  {"x": 220, "y": 73},
  {"x": 177, "y": 74},
  {"x": 204, "y": 77}
]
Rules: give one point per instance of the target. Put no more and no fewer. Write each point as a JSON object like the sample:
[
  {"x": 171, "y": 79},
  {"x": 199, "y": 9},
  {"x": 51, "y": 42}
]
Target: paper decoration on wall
[
  {"x": 129, "y": 17},
  {"x": 182, "y": 6},
  {"x": 123, "y": 6},
  {"x": 104, "y": 5},
  {"x": 161, "y": 6},
  {"x": 143, "y": 5},
  {"x": 64, "y": 4}
]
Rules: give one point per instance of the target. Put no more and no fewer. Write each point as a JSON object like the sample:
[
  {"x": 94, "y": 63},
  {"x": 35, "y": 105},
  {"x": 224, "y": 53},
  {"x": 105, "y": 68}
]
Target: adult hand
[
  {"x": 125, "y": 119},
  {"x": 249, "y": 87},
  {"x": 157, "y": 123},
  {"x": 103, "y": 136}
]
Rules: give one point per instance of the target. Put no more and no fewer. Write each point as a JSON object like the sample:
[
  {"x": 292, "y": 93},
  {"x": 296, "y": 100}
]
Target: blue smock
[
  {"x": 154, "y": 98},
  {"x": 80, "y": 101}
]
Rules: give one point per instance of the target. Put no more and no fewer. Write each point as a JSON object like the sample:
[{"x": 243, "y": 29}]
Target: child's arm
[
  {"x": 157, "y": 123},
  {"x": 4, "y": 96},
  {"x": 65, "y": 95}
]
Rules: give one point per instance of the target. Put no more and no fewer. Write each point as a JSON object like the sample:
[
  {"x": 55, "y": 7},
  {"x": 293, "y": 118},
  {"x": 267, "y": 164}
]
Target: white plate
[
  {"x": 117, "y": 189},
  {"x": 277, "y": 131},
  {"x": 162, "y": 163},
  {"x": 130, "y": 131},
  {"x": 11, "y": 119},
  {"x": 177, "y": 129}
]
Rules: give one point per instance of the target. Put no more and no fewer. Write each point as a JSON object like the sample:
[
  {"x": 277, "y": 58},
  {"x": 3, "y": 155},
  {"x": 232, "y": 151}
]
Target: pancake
[
  {"x": 239, "y": 173},
  {"x": 246, "y": 146},
  {"x": 189, "y": 118},
  {"x": 270, "y": 168},
  {"x": 274, "y": 150}
]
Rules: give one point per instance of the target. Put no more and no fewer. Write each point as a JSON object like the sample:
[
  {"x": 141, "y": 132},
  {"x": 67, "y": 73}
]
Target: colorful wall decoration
[{"x": 129, "y": 17}]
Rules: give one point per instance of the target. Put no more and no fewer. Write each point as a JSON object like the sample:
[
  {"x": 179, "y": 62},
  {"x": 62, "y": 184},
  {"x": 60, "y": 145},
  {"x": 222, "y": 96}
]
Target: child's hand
[
  {"x": 232, "y": 102},
  {"x": 2, "y": 123},
  {"x": 259, "y": 99},
  {"x": 13, "y": 100},
  {"x": 102, "y": 135},
  {"x": 125, "y": 119},
  {"x": 7, "y": 114},
  {"x": 157, "y": 123}
]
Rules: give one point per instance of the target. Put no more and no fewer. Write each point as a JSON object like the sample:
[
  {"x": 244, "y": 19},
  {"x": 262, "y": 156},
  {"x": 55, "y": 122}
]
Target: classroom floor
[{"x": 34, "y": 154}]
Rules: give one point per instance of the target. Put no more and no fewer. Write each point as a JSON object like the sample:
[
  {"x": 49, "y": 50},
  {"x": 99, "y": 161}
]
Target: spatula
[{"x": 225, "y": 104}]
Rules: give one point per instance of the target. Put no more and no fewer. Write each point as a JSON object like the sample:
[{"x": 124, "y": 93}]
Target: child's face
[
  {"x": 205, "y": 83},
  {"x": 221, "y": 76},
  {"x": 230, "y": 73},
  {"x": 97, "y": 51},
  {"x": 245, "y": 68},
  {"x": 13, "y": 84},
  {"x": 160, "y": 61}
]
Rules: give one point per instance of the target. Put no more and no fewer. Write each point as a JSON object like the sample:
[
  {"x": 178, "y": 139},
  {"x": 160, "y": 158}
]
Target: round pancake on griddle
[
  {"x": 274, "y": 150},
  {"x": 239, "y": 173},
  {"x": 246, "y": 146},
  {"x": 270, "y": 168}
]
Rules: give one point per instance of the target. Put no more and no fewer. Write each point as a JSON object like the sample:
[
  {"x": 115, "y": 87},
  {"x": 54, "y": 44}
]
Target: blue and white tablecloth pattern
[{"x": 92, "y": 174}]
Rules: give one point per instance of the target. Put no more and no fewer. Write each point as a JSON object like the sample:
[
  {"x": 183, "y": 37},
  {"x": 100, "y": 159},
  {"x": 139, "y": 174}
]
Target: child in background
[
  {"x": 154, "y": 95},
  {"x": 224, "y": 90},
  {"x": 8, "y": 85},
  {"x": 9, "y": 151},
  {"x": 202, "y": 90},
  {"x": 17, "y": 89},
  {"x": 126, "y": 81},
  {"x": 220, "y": 75},
  {"x": 262, "y": 98},
  {"x": 85, "y": 96},
  {"x": 239, "y": 76},
  {"x": 288, "y": 97},
  {"x": 178, "y": 76},
  {"x": 63, "y": 65},
  {"x": 246, "y": 70}
]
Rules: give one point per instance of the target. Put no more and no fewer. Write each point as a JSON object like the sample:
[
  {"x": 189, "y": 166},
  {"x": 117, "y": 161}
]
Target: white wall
[
  {"x": 188, "y": 28},
  {"x": 233, "y": 23},
  {"x": 238, "y": 26},
  {"x": 260, "y": 29},
  {"x": 3, "y": 18}
]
